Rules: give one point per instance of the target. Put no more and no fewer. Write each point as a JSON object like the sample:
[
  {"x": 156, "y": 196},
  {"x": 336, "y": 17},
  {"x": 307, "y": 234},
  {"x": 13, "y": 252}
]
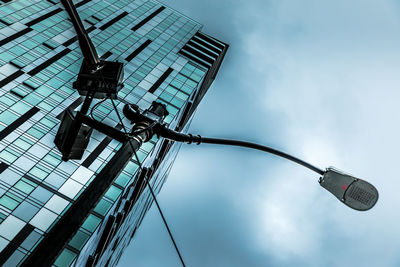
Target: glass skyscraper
[{"x": 43, "y": 213}]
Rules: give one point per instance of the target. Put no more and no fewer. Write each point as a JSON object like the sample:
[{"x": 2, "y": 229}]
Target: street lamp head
[{"x": 354, "y": 192}]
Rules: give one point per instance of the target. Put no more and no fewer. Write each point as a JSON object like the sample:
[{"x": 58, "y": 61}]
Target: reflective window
[
  {"x": 38, "y": 184},
  {"x": 43, "y": 219},
  {"x": 65, "y": 259}
]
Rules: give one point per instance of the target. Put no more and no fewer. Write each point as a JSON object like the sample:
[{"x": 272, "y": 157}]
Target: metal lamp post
[{"x": 354, "y": 192}]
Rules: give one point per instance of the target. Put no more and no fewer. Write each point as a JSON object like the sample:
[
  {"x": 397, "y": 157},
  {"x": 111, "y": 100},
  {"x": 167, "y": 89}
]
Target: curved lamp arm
[
  {"x": 353, "y": 192},
  {"x": 188, "y": 138}
]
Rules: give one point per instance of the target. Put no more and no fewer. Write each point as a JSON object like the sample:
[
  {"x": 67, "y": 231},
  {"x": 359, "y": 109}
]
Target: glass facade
[{"x": 166, "y": 59}]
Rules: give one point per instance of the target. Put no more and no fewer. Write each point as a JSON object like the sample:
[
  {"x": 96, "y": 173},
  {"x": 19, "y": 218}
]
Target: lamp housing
[{"x": 353, "y": 192}]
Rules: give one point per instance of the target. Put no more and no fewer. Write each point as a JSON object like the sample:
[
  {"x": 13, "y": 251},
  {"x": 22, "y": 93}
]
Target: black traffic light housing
[
  {"x": 72, "y": 137},
  {"x": 106, "y": 81}
]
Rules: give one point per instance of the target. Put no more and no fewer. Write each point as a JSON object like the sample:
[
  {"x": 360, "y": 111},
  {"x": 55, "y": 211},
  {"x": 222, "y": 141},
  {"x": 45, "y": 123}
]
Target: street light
[
  {"x": 102, "y": 79},
  {"x": 354, "y": 192}
]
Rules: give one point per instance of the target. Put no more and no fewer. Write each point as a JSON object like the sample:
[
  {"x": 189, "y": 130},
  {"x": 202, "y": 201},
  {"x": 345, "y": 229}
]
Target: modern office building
[{"x": 47, "y": 217}]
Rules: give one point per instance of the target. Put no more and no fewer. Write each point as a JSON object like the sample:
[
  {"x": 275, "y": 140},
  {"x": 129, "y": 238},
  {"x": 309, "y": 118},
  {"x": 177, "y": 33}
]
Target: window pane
[
  {"x": 79, "y": 240},
  {"x": 8, "y": 202},
  {"x": 24, "y": 187},
  {"x": 102, "y": 207},
  {"x": 113, "y": 193},
  {"x": 91, "y": 223},
  {"x": 65, "y": 259}
]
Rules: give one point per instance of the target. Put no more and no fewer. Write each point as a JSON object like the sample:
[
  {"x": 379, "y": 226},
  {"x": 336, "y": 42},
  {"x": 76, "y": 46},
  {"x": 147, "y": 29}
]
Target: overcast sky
[{"x": 318, "y": 79}]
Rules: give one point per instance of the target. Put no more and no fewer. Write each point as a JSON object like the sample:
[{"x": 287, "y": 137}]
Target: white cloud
[
  {"x": 337, "y": 84},
  {"x": 321, "y": 80}
]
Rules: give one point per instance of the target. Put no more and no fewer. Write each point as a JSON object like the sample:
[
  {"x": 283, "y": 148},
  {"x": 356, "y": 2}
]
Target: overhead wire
[
  {"x": 145, "y": 177},
  {"x": 95, "y": 106},
  {"x": 148, "y": 184},
  {"x": 141, "y": 167}
]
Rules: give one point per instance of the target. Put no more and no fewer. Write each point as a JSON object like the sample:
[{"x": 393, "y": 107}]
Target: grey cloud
[{"x": 316, "y": 78}]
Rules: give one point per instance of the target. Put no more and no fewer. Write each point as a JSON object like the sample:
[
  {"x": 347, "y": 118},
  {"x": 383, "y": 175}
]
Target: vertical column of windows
[
  {"x": 180, "y": 88},
  {"x": 144, "y": 8},
  {"x": 14, "y": 121},
  {"x": 143, "y": 71},
  {"x": 148, "y": 18}
]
